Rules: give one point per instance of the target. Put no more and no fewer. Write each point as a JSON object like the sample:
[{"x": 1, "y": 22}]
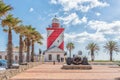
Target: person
[{"x": 53, "y": 62}]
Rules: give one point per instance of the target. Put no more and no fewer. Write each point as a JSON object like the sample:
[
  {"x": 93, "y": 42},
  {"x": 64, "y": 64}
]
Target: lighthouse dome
[{"x": 55, "y": 20}]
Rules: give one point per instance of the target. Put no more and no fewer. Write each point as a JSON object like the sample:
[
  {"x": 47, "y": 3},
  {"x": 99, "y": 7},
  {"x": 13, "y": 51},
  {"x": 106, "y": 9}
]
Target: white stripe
[
  {"x": 49, "y": 32},
  {"x": 58, "y": 41}
]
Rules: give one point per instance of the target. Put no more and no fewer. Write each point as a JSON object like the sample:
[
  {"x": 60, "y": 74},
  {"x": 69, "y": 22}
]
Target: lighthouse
[{"x": 55, "y": 41}]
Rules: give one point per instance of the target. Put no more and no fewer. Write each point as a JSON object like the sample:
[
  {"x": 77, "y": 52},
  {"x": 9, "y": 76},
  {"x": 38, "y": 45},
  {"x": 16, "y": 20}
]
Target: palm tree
[
  {"x": 21, "y": 31},
  {"x": 92, "y": 47},
  {"x": 10, "y": 22},
  {"x": 70, "y": 46},
  {"x": 28, "y": 36},
  {"x": 4, "y": 8},
  {"x": 36, "y": 37},
  {"x": 111, "y": 46}
]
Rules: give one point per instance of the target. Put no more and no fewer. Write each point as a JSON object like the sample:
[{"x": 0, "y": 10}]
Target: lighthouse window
[
  {"x": 50, "y": 57},
  {"x": 58, "y": 41}
]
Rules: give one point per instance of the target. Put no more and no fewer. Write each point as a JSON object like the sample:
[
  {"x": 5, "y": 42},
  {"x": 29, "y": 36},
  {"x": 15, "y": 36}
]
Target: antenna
[
  {"x": 55, "y": 16},
  {"x": 49, "y": 26}
]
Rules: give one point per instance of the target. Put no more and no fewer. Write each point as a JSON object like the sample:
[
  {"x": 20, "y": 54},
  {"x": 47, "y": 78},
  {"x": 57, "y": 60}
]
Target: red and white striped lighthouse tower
[
  {"x": 55, "y": 42},
  {"x": 55, "y": 35}
]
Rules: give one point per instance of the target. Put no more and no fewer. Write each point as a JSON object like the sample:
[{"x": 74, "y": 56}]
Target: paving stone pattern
[{"x": 54, "y": 72}]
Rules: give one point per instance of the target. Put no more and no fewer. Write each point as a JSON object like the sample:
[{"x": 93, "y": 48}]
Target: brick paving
[{"x": 54, "y": 72}]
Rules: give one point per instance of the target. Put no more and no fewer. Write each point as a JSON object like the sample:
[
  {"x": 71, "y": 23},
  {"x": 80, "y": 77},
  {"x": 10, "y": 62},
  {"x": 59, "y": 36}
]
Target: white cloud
[
  {"x": 84, "y": 19},
  {"x": 83, "y": 37},
  {"x": 105, "y": 27},
  {"x": 80, "y": 5},
  {"x": 97, "y": 14},
  {"x": 44, "y": 41},
  {"x": 31, "y": 10},
  {"x": 111, "y": 30},
  {"x": 117, "y": 38},
  {"x": 73, "y": 19},
  {"x": 53, "y": 1}
]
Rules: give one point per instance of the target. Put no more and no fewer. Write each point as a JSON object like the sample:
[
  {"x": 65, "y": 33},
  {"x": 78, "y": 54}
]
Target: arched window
[
  {"x": 0, "y": 57},
  {"x": 50, "y": 57}
]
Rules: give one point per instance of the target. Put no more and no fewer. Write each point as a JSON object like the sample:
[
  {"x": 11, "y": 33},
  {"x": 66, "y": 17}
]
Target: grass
[
  {"x": 118, "y": 63},
  {"x": 103, "y": 61},
  {"x": 115, "y": 62}
]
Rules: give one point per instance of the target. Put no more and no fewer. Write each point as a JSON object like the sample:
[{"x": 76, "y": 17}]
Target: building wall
[
  {"x": 54, "y": 57},
  {"x": 3, "y": 55}
]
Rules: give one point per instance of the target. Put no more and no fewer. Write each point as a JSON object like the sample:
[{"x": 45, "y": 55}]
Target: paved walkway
[{"x": 53, "y": 72}]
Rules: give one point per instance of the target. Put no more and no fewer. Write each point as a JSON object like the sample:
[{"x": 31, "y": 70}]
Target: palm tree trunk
[
  {"x": 9, "y": 49},
  {"x": 32, "y": 52},
  {"x": 20, "y": 49},
  {"x": 28, "y": 50},
  {"x": 92, "y": 55},
  {"x": 111, "y": 56}
]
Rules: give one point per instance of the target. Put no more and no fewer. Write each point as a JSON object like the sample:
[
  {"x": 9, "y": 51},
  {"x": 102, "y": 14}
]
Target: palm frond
[
  {"x": 5, "y": 30},
  {"x": 4, "y": 8},
  {"x": 112, "y": 46},
  {"x": 92, "y": 47}
]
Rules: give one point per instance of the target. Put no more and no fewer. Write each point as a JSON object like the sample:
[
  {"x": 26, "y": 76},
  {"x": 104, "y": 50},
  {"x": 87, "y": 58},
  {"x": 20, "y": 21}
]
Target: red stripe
[
  {"x": 62, "y": 45},
  {"x": 54, "y": 35}
]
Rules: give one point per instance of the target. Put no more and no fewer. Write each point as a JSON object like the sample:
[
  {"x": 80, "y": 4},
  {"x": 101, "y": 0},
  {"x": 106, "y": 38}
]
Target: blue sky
[{"x": 84, "y": 21}]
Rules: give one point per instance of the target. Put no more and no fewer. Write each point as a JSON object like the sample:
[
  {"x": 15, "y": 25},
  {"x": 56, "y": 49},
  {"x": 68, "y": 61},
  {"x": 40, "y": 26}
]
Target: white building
[
  {"x": 54, "y": 54},
  {"x": 3, "y": 55}
]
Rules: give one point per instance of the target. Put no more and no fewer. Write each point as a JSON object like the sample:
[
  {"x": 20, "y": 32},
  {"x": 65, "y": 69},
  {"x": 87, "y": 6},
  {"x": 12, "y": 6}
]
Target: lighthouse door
[{"x": 58, "y": 58}]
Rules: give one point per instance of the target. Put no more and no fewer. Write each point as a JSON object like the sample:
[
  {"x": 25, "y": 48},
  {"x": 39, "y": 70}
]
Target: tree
[
  {"x": 21, "y": 30},
  {"x": 4, "y": 8},
  {"x": 28, "y": 36},
  {"x": 111, "y": 46},
  {"x": 9, "y": 23},
  {"x": 92, "y": 47},
  {"x": 70, "y": 46},
  {"x": 36, "y": 37}
]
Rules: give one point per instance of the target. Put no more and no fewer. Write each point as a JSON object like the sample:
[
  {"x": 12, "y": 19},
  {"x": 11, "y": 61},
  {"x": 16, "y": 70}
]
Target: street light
[
  {"x": 65, "y": 57},
  {"x": 40, "y": 54},
  {"x": 43, "y": 56},
  {"x": 65, "y": 53}
]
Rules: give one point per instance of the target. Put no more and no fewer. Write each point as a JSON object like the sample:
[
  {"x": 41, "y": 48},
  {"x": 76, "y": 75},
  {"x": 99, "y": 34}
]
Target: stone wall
[{"x": 5, "y": 75}]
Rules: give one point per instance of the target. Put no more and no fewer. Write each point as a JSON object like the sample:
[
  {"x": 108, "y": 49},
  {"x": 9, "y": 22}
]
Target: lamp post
[
  {"x": 43, "y": 56},
  {"x": 39, "y": 55},
  {"x": 65, "y": 57}
]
